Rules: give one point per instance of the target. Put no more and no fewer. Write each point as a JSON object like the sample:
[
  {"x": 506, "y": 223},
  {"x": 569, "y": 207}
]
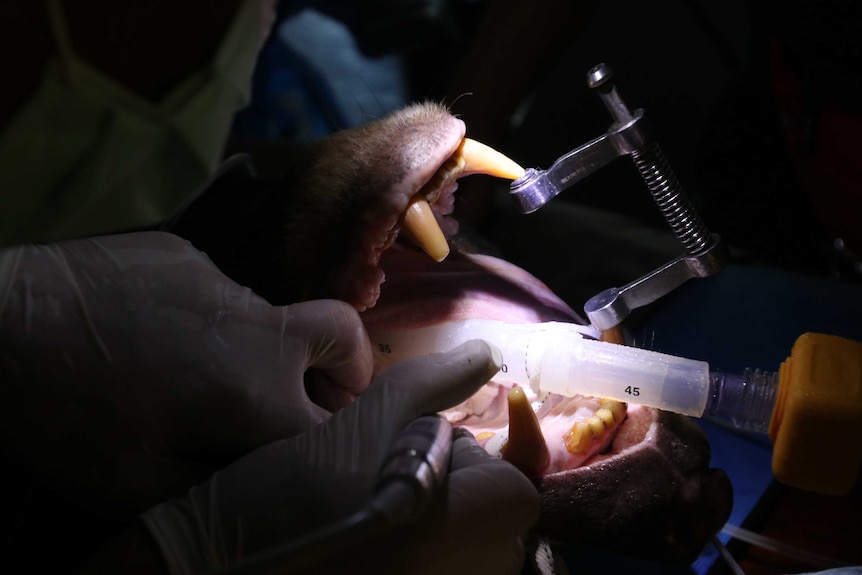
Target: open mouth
[
  {"x": 540, "y": 435},
  {"x": 618, "y": 476},
  {"x": 543, "y": 436}
]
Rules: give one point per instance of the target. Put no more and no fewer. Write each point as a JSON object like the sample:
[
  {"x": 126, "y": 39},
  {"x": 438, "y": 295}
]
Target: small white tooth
[
  {"x": 420, "y": 222},
  {"x": 482, "y": 159}
]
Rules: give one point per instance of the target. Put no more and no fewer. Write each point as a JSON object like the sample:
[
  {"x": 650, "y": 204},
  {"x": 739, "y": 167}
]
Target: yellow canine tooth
[
  {"x": 578, "y": 439},
  {"x": 482, "y": 159},
  {"x": 419, "y": 220},
  {"x": 526, "y": 448}
]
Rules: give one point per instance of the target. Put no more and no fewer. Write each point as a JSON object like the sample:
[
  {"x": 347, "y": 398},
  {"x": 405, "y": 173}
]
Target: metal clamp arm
[
  {"x": 537, "y": 187},
  {"x": 608, "y": 308}
]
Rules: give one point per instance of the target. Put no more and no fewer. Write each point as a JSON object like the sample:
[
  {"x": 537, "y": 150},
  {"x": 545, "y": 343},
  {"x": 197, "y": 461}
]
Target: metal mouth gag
[{"x": 628, "y": 135}]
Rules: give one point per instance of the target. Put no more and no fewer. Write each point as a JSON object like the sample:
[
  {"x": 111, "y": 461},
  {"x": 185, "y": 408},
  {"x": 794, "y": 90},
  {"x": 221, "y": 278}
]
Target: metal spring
[{"x": 671, "y": 200}]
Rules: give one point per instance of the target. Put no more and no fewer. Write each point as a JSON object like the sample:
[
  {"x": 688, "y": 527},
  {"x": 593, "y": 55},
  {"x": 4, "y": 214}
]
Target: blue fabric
[
  {"x": 747, "y": 460},
  {"x": 290, "y": 100},
  {"x": 751, "y": 316},
  {"x": 311, "y": 80}
]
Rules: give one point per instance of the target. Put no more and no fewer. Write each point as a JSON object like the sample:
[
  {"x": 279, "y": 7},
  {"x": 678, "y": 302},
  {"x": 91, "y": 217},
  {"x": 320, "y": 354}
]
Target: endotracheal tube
[
  {"x": 556, "y": 357},
  {"x": 819, "y": 385}
]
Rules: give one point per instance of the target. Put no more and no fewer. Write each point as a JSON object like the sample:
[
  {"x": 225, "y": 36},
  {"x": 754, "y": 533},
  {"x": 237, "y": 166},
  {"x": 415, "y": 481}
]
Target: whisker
[
  {"x": 363, "y": 113},
  {"x": 451, "y": 104}
]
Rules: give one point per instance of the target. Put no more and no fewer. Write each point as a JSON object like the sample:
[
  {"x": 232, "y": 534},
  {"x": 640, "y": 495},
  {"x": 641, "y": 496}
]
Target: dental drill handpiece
[
  {"x": 413, "y": 470},
  {"x": 419, "y": 461}
]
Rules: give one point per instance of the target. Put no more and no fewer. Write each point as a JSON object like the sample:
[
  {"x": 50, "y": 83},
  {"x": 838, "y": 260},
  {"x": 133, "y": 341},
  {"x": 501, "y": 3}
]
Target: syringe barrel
[
  {"x": 624, "y": 373},
  {"x": 512, "y": 339},
  {"x": 556, "y": 357}
]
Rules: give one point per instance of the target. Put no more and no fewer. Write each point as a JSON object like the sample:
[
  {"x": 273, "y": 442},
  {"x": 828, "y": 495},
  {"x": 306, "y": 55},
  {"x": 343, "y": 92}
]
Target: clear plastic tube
[
  {"x": 747, "y": 400},
  {"x": 556, "y": 357}
]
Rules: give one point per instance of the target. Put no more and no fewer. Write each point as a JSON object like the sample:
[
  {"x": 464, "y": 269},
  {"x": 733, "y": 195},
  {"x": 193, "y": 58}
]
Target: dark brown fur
[{"x": 296, "y": 239}]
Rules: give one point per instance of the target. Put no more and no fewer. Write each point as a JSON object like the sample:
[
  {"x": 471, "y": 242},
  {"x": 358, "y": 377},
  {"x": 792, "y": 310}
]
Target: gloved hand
[
  {"x": 131, "y": 367},
  {"x": 291, "y": 487}
]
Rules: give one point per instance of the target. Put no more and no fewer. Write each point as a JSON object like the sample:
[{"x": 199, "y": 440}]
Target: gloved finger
[
  {"x": 324, "y": 335},
  {"x": 477, "y": 520},
  {"x": 417, "y": 386},
  {"x": 472, "y": 471},
  {"x": 336, "y": 346}
]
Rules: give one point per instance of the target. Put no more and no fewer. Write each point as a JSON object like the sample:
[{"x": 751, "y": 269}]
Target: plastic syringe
[
  {"x": 556, "y": 357},
  {"x": 819, "y": 386}
]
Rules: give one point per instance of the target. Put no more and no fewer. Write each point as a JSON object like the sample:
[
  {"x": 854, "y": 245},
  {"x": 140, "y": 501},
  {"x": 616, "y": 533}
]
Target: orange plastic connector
[{"x": 816, "y": 426}]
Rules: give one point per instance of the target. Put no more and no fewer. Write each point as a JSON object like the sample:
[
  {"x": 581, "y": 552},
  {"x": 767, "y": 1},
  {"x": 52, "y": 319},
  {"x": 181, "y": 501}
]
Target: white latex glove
[
  {"x": 126, "y": 361},
  {"x": 291, "y": 487}
]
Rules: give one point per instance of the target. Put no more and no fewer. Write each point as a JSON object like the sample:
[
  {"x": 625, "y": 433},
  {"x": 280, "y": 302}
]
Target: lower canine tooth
[
  {"x": 526, "y": 448},
  {"x": 420, "y": 222}
]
